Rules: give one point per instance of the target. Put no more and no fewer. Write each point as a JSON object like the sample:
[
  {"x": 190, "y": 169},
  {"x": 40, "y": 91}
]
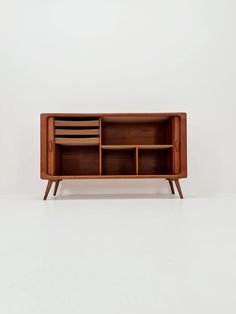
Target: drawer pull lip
[
  {"x": 50, "y": 146},
  {"x": 176, "y": 145},
  {"x": 70, "y": 123},
  {"x": 77, "y": 141}
]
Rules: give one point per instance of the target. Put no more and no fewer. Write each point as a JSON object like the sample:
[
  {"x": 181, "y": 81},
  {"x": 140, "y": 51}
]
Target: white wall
[{"x": 119, "y": 56}]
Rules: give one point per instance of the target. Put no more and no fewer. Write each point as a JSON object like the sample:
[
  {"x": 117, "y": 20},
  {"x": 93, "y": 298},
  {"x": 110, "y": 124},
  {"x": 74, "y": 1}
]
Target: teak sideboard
[{"x": 113, "y": 146}]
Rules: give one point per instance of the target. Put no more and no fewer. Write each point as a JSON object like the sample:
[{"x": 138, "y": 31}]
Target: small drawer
[{"x": 77, "y": 141}]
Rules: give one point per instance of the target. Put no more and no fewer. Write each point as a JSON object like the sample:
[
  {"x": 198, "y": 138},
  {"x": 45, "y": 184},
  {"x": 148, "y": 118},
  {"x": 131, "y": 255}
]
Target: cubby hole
[
  {"x": 155, "y": 161},
  {"x": 118, "y": 162},
  {"x": 77, "y": 160}
]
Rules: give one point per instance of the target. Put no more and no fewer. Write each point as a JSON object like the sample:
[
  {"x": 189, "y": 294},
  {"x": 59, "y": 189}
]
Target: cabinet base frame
[{"x": 50, "y": 182}]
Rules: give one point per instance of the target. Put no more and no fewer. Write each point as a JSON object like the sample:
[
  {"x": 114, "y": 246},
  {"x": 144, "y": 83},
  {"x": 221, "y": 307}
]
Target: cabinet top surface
[{"x": 116, "y": 114}]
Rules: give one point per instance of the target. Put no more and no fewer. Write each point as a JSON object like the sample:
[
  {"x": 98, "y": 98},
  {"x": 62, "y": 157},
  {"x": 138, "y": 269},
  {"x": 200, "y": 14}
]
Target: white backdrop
[{"x": 119, "y": 56}]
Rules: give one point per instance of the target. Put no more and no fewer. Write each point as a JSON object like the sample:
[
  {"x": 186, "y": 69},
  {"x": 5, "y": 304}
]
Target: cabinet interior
[{"x": 113, "y": 146}]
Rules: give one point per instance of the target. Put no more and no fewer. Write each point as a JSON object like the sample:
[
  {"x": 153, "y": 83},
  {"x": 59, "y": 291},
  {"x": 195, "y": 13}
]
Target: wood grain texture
[
  {"x": 62, "y": 123},
  {"x": 100, "y": 146},
  {"x": 79, "y": 160},
  {"x": 77, "y": 141},
  {"x": 136, "y": 160},
  {"x": 51, "y": 147},
  {"x": 154, "y": 162},
  {"x": 119, "y": 162},
  {"x": 136, "y": 133},
  {"x": 43, "y": 146},
  {"x": 77, "y": 132},
  {"x": 183, "y": 146},
  {"x": 176, "y": 144}
]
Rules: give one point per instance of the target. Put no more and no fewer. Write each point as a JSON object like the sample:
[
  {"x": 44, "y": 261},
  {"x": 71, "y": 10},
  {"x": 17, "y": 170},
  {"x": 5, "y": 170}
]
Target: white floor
[{"x": 115, "y": 254}]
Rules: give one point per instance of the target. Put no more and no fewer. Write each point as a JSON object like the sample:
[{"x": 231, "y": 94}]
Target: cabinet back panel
[
  {"x": 136, "y": 133},
  {"x": 79, "y": 160},
  {"x": 154, "y": 162},
  {"x": 118, "y": 162}
]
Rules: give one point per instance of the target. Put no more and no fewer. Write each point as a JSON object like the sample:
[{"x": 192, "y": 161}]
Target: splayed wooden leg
[
  {"x": 179, "y": 188},
  {"x": 56, "y": 187},
  {"x": 47, "y": 189},
  {"x": 171, "y": 186}
]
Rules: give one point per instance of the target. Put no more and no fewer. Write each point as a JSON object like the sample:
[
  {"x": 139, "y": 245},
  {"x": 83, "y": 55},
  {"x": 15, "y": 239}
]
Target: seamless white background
[
  {"x": 119, "y": 56},
  {"x": 122, "y": 247}
]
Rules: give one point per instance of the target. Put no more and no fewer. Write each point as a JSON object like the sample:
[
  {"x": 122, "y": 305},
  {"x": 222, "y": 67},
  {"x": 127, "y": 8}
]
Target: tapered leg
[
  {"x": 171, "y": 186},
  {"x": 47, "y": 189},
  {"x": 56, "y": 187},
  {"x": 179, "y": 188}
]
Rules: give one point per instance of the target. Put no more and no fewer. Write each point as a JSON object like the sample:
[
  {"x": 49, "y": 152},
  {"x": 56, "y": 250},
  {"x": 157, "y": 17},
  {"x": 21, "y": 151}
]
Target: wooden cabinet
[{"x": 113, "y": 146}]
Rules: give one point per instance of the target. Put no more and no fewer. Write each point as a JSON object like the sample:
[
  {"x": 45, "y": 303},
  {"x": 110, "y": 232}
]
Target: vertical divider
[
  {"x": 100, "y": 146},
  {"x": 51, "y": 146},
  {"x": 136, "y": 160}
]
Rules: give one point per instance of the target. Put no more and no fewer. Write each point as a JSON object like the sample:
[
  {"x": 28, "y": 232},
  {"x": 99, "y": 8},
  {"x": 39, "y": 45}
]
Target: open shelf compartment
[
  {"x": 155, "y": 161},
  {"x": 136, "y": 131},
  {"x": 113, "y": 146},
  {"x": 119, "y": 161},
  {"x": 77, "y": 160}
]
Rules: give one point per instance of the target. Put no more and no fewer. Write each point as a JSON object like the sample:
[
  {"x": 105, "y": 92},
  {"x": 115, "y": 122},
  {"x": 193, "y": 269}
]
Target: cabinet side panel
[
  {"x": 51, "y": 147},
  {"x": 43, "y": 146},
  {"x": 183, "y": 144}
]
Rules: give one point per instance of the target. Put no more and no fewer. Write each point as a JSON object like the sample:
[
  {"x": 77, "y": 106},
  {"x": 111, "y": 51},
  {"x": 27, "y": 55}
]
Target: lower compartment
[
  {"x": 77, "y": 160},
  {"x": 84, "y": 161},
  {"x": 155, "y": 162},
  {"x": 118, "y": 162}
]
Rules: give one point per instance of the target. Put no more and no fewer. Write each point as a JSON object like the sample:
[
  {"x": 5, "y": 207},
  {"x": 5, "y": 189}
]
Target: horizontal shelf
[
  {"x": 88, "y": 123},
  {"x": 138, "y": 146},
  {"x": 76, "y": 132},
  {"x": 157, "y": 176},
  {"x": 155, "y": 146},
  {"x": 118, "y": 147},
  {"x": 77, "y": 141}
]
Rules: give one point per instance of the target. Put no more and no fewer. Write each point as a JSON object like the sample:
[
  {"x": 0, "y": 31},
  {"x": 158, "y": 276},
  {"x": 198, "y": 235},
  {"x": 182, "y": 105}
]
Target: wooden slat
[
  {"x": 51, "y": 147},
  {"x": 77, "y": 141},
  {"x": 100, "y": 146},
  {"x": 183, "y": 146},
  {"x": 77, "y": 132},
  {"x": 176, "y": 145},
  {"x": 136, "y": 160},
  {"x": 87, "y": 123},
  {"x": 43, "y": 146}
]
